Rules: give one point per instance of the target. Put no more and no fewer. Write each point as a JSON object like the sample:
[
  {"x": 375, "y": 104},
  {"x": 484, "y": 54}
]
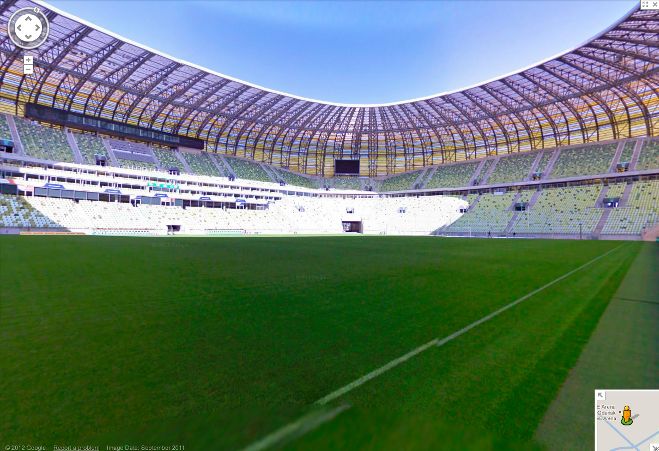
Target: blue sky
[{"x": 356, "y": 51}]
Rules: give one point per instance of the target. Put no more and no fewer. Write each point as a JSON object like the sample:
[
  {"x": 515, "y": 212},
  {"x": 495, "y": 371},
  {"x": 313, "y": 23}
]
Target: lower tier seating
[
  {"x": 566, "y": 210},
  {"x": 409, "y": 215},
  {"x": 491, "y": 213},
  {"x": 641, "y": 210},
  {"x": 16, "y": 212}
]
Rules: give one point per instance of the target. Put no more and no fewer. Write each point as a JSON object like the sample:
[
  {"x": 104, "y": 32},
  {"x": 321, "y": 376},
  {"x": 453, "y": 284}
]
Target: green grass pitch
[{"x": 217, "y": 343}]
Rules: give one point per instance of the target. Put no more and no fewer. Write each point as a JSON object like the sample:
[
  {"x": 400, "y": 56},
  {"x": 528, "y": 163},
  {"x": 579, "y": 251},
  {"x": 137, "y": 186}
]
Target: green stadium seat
[
  {"x": 43, "y": 142},
  {"x": 344, "y": 183},
  {"x": 400, "y": 182},
  {"x": 294, "y": 179},
  {"x": 167, "y": 159},
  {"x": 200, "y": 164},
  {"x": 246, "y": 169},
  {"x": 513, "y": 168},
  {"x": 89, "y": 146},
  {"x": 452, "y": 176},
  {"x": 649, "y": 157},
  {"x": 587, "y": 160}
]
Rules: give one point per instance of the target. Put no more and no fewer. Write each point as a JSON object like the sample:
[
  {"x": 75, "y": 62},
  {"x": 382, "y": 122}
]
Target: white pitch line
[
  {"x": 316, "y": 418},
  {"x": 300, "y": 426},
  {"x": 437, "y": 342}
]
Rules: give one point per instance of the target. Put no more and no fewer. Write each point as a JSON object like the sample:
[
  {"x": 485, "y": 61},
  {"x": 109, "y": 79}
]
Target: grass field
[{"x": 218, "y": 343}]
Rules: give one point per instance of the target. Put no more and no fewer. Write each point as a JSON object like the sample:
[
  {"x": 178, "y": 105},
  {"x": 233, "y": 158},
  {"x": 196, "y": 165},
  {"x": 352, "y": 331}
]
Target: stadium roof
[{"x": 606, "y": 88}]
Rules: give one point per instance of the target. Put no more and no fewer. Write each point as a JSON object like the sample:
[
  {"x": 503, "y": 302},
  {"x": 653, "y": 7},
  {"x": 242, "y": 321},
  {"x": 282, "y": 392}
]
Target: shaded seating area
[
  {"x": 246, "y": 169},
  {"x": 43, "y": 142},
  {"x": 513, "y": 168},
  {"x": 399, "y": 182},
  {"x": 649, "y": 157},
  {"x": 584, "y": 160},
  {"x": 452, "y": 176},
  {"x": 90, "y": 146},
  {"x": 200, "y": 164}
]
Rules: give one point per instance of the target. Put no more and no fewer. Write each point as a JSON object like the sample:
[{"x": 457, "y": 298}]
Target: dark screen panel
[
  {"x": 113, "y": 128},
  {"x": 346, "y": 167}
]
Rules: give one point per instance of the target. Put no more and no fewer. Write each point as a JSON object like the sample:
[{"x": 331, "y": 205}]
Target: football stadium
[{"x": 189, "y": 261}]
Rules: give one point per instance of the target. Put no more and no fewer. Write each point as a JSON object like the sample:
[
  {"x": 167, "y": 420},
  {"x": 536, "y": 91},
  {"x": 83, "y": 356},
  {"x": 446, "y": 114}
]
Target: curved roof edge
[{"x": 324, "y": 102}]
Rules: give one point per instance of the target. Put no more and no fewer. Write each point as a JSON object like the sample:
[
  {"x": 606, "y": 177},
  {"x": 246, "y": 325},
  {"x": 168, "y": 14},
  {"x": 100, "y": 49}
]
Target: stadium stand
[
  {"x": 344, "y": 182},
  {"x": 5, "y": 133},
  {"x": 132, "y": 155},
  {"x": 409, "y": 215},
  {"x": 481, "y": 175},
  {"x": 43, "y": 142},
  {"x": 200, "y": 164},
  {"x": 90, "y": 146},
  {"x": 627, "y": 151},
  {"x": 490, "y": 214},
  {"x": 544, "y": 161},
  {"x": 649, "y": 157},
  {"x": 399, "y": 182},
  {"x": 513, "y": 168},
  {"x": 594, "y": 159},
  {"x": 452, "y": 176},
  {"x": 167, "y": 159},
  {"x": 136, "y": 164},
  {"x": 15, "y": 211},
  {"x": 294, "y": 179},
  {"x": 640, "y": 211},
  {"x": 246, "y": 169},
  {"x": 568, "y": 210}
]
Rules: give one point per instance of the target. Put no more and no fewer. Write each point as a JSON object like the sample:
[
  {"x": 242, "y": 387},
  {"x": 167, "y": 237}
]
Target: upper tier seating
[
  {"x": 294, "y": 179},
  {"x": 90, "y": 146},
  {"x": 561, "y": 211},
  {"x": 627, "y": 152},
  {"x": 584, "y": 161},
  {"x": 201, "y": 164},
  {"x": 344, "y": 182},
  {"x": 5, "y": 133},
  {"x": 246, "y": 169},
  {"x": 490, "y": 214},
  {"x": 641, "y": 210},
  {"x": 452, "y": 176},
  {"x": 480, "y": 178},
  {"x": 43, "y": 142},
  {"x": 544, "y": 161},
  {"x": 649, "y": 157},
  {"x": 16, "y": 212},
  {"x": 514, "y": 168},
  {"x": 399, "y": 182},
  {"x": 129, "y": 146},
  {"x": 133, "y": 155},
  {"x": 167, "y": 159}
]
